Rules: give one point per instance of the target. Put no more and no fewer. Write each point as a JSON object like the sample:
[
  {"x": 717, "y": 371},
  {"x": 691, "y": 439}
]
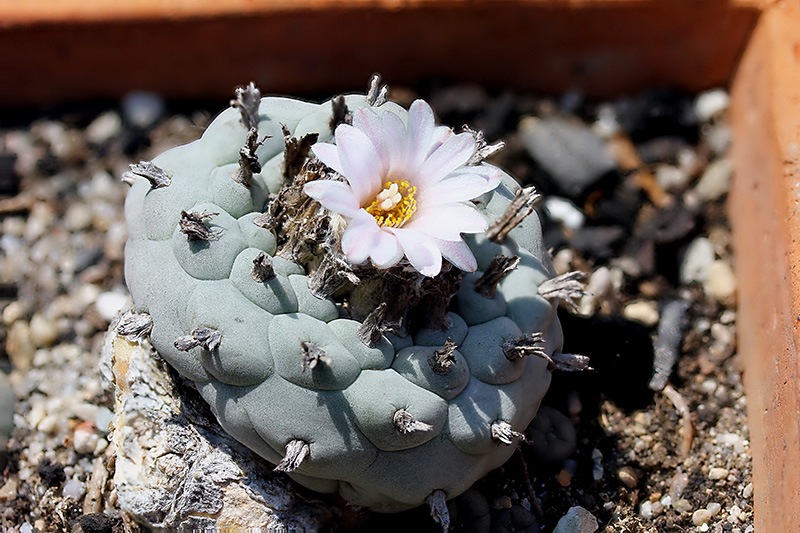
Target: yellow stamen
[{"x": 394, "y": 205}]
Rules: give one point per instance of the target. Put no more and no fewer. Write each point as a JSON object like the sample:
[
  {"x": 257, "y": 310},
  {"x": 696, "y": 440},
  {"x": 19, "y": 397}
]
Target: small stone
[
  {"x": 697, "y": 261},
  {"x": 110, "y": 303},
  {"x": 646, "y": 509},
  {"x": 714, "y": 508},
  {"x": 105, "y": 127},
  {"x": 711, "y": 104},
  {"x": 564, "y": 478},
  {"x": 715, "y": 181},
  {"x": 577, "y": 520},
  {"x": 14, "y": 311},
  {"x": 564, "y": 213},
  {"x": 19, "y": 346},
  {"x": 503, "y": 502},
  {"x": 85, "y": 438},
  {"x": 701, "y": 516},
  {"x": 682, "y": 505},
  {"x": 142, "y": 109},
  {"x": 73, "y": 489},
  {"x": 8, "y": 492},
  {"x": 671, "y": 178},
  {"x": 78, "y": 217},
  {"x": 643, "y": 311},
  {"x": 717, "y": 473},
  {"x": 628, "y": 476},
  {"x": 721, "y": 282},
  {"x": 44, "y": 332},
  {"x": 735, "y": 511},
  {"x": 570, "y": 152},
  {"x": 747, "y": 493}
]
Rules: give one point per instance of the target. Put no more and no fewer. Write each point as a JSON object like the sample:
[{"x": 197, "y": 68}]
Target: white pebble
[
  {"x": 721, "y": 282},
  {"x": 735, "y": 511},
  {"x": 49, "y": 424},
  {"x": 715, "y": 181},
  {"x": 73, "y": 489},
  {"x": 564, "y": 212},
  {"x": 642, "y": 311},
  {"x": 710, "y": 104},
  {"x": 717, "y": 473},
  {"x": 701, "y": 516},
  {"x": 44, "y": 332},
  {"x": 577, "y": 520},
  {"x": 110, "y": 303},
  {"x": 142, "y": 108},
  {"x": 708, "y": 386},
  {"x": 671, "y": 178},
  {"x": 714, "y": 508},
  {"x": 697, "y": 261},
  {"x": 747, "y": 493},
  {"x": 104, "y": 127},
  {"x": 84, "y": 440},
  {"x": 599, "y": 284},
  {"x": 666, "y": 501},
  {"x": 25, "y": 528},
  {"x": 646, "y": 509}
]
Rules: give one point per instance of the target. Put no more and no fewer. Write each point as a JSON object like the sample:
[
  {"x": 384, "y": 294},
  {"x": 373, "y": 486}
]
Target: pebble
[
  {"x": 85, "y": 438},
  {"x": 671, "y": 178},
  {"x": 14, "y": 311},
  {"x": 73, "y": 489},
  {"x": 721, "y": 282},
  {"x": 597, "y": 464},
  {"x": 502, "y": 502},
  {"x": 599, "y": 285},
  {"x": 564, "y": 213},
  {"x": 110, "y": 303},
  {"x": 564, "y": 478},
  {"x": 682, "y": 505},
  {"x": 643, "y": 311},
  {"x": 573, "y": 155},
  {"x": 701, "y": 516},
  {"x": 697, "y": 261},
  {"x": 747, "y": 493},
  {"x": 646, "y": 509},
  {"x": 78, "y": 217},
  {"x": 19, "y": 346},
  {"x": 711, "y": 104},
  {"x": 8, "y": 492},
  {"x": 44, "y": 332},
  {"x": 715, "y": 181},
  {"x": 142, "y": 109},
  {"x": 577, "y": 520},
  {"x": 717, "y": 473},
  {"x": 105, "y": 127},
  {"x": 628, "y": 476}
]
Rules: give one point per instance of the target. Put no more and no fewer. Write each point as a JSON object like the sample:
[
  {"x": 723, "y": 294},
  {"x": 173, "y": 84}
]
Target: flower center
[{"x": 394, "y": 205}]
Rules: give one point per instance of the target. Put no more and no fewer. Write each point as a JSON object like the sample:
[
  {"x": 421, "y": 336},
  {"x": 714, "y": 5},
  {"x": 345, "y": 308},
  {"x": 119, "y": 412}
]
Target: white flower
[{"x": 407, "y": 189}]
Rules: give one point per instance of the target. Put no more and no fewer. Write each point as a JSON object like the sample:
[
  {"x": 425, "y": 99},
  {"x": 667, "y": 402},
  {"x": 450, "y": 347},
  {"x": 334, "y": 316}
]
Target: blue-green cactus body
[{"x": 257, "y": 382}]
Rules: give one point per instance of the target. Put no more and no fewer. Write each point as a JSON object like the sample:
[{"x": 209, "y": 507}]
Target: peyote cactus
[{"x": 350, "y": 365}]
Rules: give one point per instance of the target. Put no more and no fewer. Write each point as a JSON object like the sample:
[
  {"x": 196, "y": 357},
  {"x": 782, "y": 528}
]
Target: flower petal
[
  {"x": 366, "y": 120},
  {"x": 395, "y": 136},
  {"x": 361, "y": 164},
  {"x": 448, "y": 221},
  {"x": 421, "y": 129},
  {"x": 386, "y": 250},
  {"x": 421, "y": 251},
  {"x": 329, "y": 154},
  {"x": 453, "y": 153},
  {"x": 459, "y": 254},
  {"x": 334, "y": 195},
  {"x": 358, "y": 239},
  {"x": 461, "y": 186}
]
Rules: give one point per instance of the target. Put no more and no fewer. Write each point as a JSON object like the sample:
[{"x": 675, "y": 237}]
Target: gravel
[{"x": 646, "y": 221}]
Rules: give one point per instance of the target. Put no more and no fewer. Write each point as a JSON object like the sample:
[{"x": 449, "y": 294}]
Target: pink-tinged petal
[
  {"x": 329, "y": 154},
  {"x": 455, "y": 152},
  {"x": 358, "y": 239},
  {"x": 440, "y": 135},
  {"x": 395, "y": 135},
  {"x": 387, "y": 251},
  {"x": 421, "y": 129},
  {"x": 336, "y": 196},
  {"x": 366, "y": 120},
  {"x": 360, "y": 162},
  {"x": 461, "y": 186},
  {"x": 459, "y": 254},
  {"x": 421, "y": 251},
  {"x": 448, "y": 221}
]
